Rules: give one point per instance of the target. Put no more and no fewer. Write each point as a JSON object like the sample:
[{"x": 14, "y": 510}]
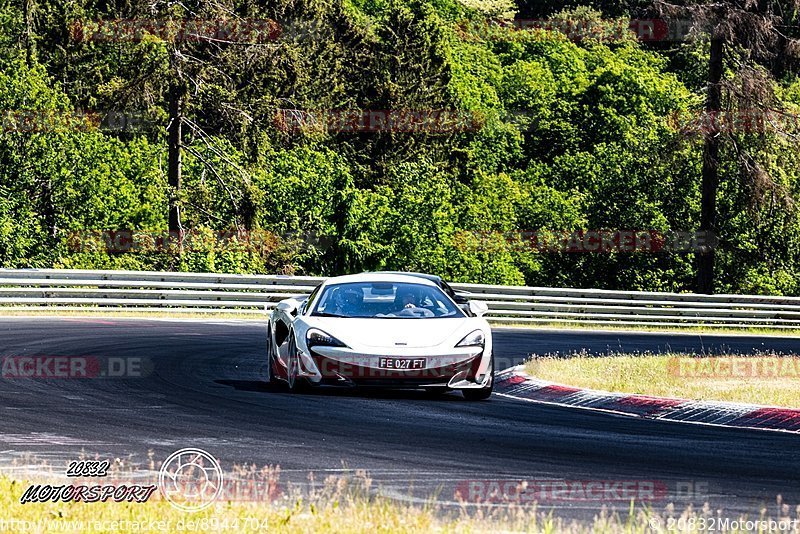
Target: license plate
[{"x": 402, "y": 363}]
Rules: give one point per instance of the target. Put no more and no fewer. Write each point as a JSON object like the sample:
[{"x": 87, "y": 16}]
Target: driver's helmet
[{"x": 352, "y": 298}]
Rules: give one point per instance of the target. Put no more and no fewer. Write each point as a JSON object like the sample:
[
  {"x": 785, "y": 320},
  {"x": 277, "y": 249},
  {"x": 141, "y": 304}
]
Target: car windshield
[{"x": 388, "y": 300}]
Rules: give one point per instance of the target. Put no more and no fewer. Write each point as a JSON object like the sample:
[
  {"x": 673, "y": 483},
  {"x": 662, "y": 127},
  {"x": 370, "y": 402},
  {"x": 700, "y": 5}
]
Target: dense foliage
[{"x": 535, "y": 133}]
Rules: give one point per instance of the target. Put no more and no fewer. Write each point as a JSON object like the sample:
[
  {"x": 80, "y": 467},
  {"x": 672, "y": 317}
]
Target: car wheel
[
  {"x": 482, "y": 393},
  {"x": 270, "y": 355},
  {"x": 296, "y": 383},
  {"x": 477, "y": 394}
]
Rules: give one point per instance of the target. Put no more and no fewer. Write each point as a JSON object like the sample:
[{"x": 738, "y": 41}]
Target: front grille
[{"x": 334, "y": 369}]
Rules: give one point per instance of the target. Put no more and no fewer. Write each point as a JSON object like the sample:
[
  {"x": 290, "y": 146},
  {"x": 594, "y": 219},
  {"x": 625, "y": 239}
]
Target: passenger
[{"x": 349, "y": 302}]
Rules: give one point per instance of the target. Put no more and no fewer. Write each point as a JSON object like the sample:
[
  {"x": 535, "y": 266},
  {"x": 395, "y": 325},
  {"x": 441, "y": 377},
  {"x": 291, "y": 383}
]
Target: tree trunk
[
  {"x": 30, "y": 43},
  {"x": 48, "y": 209},
  {"x": 708, "y": 203},
  {"x": 174, "y": 158}
]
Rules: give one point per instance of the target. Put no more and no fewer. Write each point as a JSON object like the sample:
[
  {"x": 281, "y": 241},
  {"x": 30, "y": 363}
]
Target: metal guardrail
[{"x": 37, "y": 289}]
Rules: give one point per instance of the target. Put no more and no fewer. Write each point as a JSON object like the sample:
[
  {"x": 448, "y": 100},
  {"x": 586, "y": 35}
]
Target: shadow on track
[{"x": 332, "y": 391}]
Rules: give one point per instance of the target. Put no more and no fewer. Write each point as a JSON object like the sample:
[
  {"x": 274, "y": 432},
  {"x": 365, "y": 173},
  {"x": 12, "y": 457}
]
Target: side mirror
[
  {"x": 301, "y": 308},
  {"x": 288, "y": 305},
  {"x": 478, "y": 308}
]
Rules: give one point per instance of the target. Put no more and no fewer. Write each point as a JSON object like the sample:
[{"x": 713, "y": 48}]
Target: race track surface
[{"x": 204, "y": 388}]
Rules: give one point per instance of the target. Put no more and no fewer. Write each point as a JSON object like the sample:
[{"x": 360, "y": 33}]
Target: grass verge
[
  {"x": 262, "y": 317},
  {"x": 766, "y": 379},
  {"x": 341, "y": 505},
  {"x": 55, "y": 312},
  {"x": 720, "y": 330}
]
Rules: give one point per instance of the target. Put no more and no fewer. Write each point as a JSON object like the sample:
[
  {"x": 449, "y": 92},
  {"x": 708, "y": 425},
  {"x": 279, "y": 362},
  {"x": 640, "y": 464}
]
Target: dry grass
[
  {"x": 343, "y": 505},
  {"x": 346, "y": 504}
]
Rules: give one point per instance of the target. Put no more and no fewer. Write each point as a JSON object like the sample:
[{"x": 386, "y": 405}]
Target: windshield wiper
[{"x": 328, "y": 314}]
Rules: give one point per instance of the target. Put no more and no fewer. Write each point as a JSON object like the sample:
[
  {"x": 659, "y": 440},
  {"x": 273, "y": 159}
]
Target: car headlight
[
  {"x": 316, "y": 337},
  {"x": 473, "y": 339}
]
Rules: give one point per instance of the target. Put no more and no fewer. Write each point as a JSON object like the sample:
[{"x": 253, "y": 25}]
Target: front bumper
[{"x": 459, "y": 368}]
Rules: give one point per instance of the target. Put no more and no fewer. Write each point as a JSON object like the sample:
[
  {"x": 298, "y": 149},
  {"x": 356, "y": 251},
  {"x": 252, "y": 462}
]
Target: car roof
[
  {"x": 380, "y": 277},
  {"x": 436, "y": 279}
]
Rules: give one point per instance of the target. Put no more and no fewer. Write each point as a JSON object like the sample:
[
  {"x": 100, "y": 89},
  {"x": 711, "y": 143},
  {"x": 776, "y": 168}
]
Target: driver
[
  {"x": 406, "y": 298},
  {"x": 349, "y": 301},
  {"x": 409, "y": 303}
]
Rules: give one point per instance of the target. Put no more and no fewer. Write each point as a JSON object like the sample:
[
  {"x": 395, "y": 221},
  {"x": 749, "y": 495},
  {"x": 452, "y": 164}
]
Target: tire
[
  {"x": 270, "y": 356},
  {"x": 296, "y": 384},
  {"x": 477, "y": 394},
  {"x": 483, "y": 393}
]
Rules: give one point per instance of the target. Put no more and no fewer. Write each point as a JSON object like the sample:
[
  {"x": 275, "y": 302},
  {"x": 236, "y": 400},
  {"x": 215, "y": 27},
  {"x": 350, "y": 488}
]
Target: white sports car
[{"x": 399, "y": 330}]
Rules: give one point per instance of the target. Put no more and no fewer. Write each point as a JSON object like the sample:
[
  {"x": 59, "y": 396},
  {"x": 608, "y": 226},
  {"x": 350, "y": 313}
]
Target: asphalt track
[{"x": 205, "y": 389}]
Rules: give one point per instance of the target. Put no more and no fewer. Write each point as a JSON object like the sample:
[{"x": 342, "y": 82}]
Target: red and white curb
[{"x": 514, "y": 383}]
